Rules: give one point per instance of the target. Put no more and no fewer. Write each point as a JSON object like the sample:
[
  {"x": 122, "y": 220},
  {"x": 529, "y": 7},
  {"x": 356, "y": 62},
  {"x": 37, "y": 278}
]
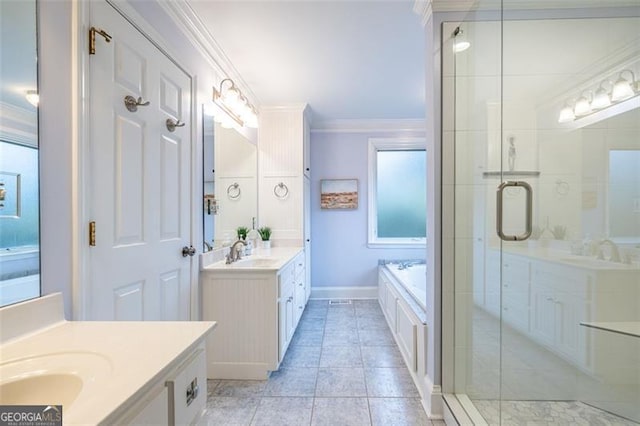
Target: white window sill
[{"x": 397, "y": 245}]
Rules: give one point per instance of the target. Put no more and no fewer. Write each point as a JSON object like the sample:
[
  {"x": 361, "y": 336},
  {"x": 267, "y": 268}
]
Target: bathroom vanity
[
  {"x": 257, "y": 303},
  {"x": 546, "y": 295},
  {"x": 102, "y": 372}
]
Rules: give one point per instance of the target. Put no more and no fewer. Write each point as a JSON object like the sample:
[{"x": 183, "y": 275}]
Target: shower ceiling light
[
  {"x": 460, "y": 43},
  {"x": 623, "y": 88},
  {"x": 235, "y": 105}
]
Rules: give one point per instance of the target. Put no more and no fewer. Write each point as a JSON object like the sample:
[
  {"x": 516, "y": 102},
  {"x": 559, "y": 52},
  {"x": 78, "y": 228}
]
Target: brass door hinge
[
  {"x": 92, "y": 233},
  {"x": 92, "y": 38}
]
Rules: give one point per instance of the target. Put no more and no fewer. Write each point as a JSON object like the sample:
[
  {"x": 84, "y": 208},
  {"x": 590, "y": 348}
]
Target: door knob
[{"x": 188, "y": 251}]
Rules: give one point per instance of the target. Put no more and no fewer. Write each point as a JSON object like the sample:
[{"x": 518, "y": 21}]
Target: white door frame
[{"x": 80, "y": 156}]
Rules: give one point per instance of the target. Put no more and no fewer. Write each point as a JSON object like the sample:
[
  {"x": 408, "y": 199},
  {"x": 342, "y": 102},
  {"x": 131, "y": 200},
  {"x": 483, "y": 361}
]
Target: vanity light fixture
[
  {"x": 623, "y": 88},
  {"x": 601, "y": 99},
  {"x": 583, "y": 105},
  {"x": 590, "y": 101},
  {"x": 460, "y": 43},
  {"x": 32, "y": 97},
  {"x": 235, "y": 105},
  {"x": 566, "y": 114}
]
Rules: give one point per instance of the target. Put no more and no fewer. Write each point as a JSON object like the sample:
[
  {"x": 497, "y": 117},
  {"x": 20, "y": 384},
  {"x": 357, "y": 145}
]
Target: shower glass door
[{"x": 547, "y": 329}]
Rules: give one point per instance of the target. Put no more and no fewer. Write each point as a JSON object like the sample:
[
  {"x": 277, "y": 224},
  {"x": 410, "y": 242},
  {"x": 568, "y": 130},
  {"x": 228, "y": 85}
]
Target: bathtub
[
  {"x": 17, "y": 262},
  {"x": 402, "y": 298},
  {"x": 412, "y": 276},
  {"x": 19, "y": 274}
]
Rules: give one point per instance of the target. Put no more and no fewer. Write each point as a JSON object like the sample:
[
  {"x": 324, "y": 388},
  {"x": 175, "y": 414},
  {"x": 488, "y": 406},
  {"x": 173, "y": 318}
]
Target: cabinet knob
[{"x": 307, "y": 169}]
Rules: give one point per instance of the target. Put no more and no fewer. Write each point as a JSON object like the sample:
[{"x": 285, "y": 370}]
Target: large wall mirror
[
  {"x": 230, "y": 183},
  {"x": 610, "y": 196},
  {"x": 19, "y": 200}
]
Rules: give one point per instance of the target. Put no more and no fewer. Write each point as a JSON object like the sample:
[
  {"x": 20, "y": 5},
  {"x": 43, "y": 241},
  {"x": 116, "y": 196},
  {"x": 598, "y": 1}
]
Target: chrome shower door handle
[{"x": 528, "y": 211}]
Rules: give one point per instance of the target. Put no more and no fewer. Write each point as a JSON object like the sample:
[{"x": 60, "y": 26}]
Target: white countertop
[
  {"x": 124, "y": 358},
  {"x": 567, "y": 259},
  {"x": 261, "y": 259}
]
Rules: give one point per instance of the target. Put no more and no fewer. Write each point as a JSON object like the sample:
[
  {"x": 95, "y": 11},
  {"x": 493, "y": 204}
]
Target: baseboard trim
[
  {"x": 432, "y": 400},
  {"x": 238, "y": 370},
  {"x": 344, "y": 292}
]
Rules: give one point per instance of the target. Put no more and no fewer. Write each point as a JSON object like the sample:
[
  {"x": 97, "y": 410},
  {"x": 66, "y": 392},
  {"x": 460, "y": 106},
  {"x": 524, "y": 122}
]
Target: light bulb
[
  {"x": 566, "y": 114},
  {"x": 460, "y": 46},
  {"x": 601, "y": 99},
  {"x": 622, "y": 89},
  {"x": 232, "y": 97},
  {"x": 583, "y": 107}
]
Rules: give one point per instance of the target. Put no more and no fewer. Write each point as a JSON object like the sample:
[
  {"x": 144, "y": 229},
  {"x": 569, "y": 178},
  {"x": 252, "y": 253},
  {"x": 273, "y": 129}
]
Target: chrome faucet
[
  {"x": 234, "y": 252},
  {"x": 208, "y": 246},
  {"x": 615, "y": 252}
]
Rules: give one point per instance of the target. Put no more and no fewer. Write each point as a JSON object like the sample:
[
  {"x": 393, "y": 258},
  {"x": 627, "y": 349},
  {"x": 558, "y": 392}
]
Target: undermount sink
[
  {"x": 255, "y": 262},
  {"x": 51, "y": 379}
]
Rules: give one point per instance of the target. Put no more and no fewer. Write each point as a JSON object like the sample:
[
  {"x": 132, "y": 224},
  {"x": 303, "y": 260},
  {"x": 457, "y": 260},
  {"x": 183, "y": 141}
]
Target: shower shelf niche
[{"x": 514, "y": 173}]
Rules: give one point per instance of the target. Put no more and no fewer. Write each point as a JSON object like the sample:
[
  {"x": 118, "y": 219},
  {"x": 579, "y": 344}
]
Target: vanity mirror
[
  {"x": 230, "y": 183},
  {"x": 610, "y": 187},
  {"x": 19, "y": 200}
]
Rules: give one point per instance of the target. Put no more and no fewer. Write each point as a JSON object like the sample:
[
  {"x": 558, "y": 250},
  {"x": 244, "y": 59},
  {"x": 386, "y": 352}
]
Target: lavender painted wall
[{"x": 339, "y": 253}]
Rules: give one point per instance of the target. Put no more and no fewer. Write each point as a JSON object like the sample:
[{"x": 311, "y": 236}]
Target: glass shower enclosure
[{"x": 541, "y": 160}]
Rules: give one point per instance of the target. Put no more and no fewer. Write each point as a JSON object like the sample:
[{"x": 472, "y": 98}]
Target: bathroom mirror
[
  {"x": 610, "y": 193},
  {"x": 230, "y": 183},
  {"x": 19, "y": 193}
]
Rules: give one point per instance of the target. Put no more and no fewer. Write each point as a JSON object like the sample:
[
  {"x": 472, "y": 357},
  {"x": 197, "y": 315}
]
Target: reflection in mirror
[
  {"x": 19, "y": 201},
  {"x": 610, "y": 196},
  {"x": 624, "y": 195},
  {"x": 230, "y": 183}
]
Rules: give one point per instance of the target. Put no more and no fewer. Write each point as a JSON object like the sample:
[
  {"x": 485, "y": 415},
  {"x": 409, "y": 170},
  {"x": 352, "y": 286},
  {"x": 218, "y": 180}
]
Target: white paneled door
[{"x": 139, "y": 177}]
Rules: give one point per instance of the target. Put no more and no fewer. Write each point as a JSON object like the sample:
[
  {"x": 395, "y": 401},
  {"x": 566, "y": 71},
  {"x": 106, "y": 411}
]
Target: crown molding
[
  {"x": 369, "y": 126},
  {"x": 18, "y": 125},
  {"x": 426, "y": 8},
  {"x": 183, "y": 15}
]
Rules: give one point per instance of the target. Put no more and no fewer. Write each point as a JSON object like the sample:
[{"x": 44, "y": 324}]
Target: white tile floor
[
  {"x": 342, "y": 368},
  {"x": 537, "y": 387}
]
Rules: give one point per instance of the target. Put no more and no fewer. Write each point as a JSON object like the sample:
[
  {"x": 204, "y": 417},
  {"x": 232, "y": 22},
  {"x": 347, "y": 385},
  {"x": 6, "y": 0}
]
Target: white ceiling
[{"x": 346, "y": 59}]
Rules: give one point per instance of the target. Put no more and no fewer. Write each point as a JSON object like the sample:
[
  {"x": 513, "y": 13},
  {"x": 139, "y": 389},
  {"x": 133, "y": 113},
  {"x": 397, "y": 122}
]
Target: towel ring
[
  {"x": 281, "y": 190},
  {"x": 233, "y": 191}
]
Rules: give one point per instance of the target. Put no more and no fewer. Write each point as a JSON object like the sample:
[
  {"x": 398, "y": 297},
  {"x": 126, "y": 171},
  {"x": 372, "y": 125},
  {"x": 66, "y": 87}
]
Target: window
[{"x": 397, "y": 192}]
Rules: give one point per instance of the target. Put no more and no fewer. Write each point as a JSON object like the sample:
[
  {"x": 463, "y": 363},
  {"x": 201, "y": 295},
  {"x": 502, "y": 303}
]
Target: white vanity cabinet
[
  {"x": 257, "y": 311},
  {"x": 178, "y": 397},
  {"x": 547, "y": 299}
]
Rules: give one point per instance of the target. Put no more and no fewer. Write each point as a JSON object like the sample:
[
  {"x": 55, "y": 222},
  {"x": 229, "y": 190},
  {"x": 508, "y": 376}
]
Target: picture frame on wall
[{"x": 339, "y": 194}]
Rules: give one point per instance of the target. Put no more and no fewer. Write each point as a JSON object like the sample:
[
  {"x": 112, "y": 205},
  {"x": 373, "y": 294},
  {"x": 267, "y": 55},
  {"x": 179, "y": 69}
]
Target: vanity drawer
[
  {"x": 188, "y": 389},
  {"x": 299, "y": 264},
  {"x": 286, "y": 280}
]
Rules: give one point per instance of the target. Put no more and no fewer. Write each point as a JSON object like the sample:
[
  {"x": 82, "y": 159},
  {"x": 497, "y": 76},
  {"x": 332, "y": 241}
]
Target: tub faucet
[
  {"x": 615, "y": 252},
  {"x": 234, "y": 252},
  {"x": 208, "y": 246}
]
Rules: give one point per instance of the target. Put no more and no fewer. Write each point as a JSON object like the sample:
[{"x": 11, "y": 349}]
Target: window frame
[{"x": 388, "y": 144}]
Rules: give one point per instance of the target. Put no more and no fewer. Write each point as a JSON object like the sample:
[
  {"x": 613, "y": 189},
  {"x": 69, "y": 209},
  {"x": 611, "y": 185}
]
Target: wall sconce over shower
[
  {"x": 235, "y": 105},
  {"x": 590, "y": 101}
]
